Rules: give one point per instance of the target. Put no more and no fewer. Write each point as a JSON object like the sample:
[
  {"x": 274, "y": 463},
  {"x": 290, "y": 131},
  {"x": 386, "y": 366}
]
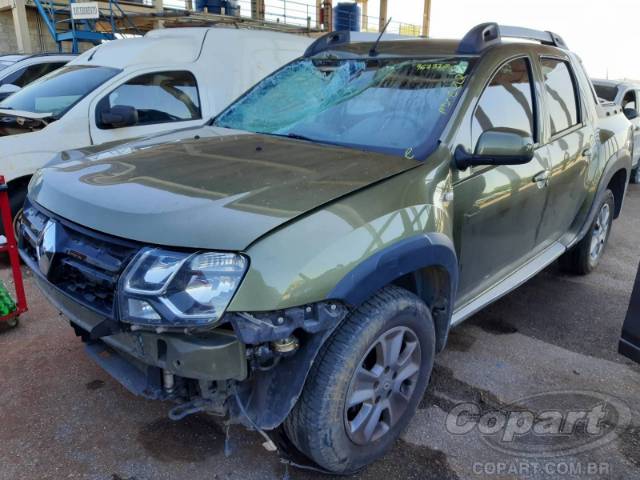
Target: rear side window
[
  {"x": 561, "y": 94},
  {"x": 606, "y": 92},
  {"x": 507, "y": 102},
  {"x": 159, "y": 97},
  {"x": 26, "y": 75}
]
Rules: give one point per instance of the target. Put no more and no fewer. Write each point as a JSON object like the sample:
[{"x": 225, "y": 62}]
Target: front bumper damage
[
  {"x": 250, "y": 368},
  {"x": 204, "y": 373},
  {"x": 142, "y": 361}
]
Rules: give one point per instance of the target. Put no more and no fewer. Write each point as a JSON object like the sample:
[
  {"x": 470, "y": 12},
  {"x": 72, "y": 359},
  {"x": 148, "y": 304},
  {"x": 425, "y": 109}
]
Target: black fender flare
[
  {"x": 270, "y": 395},
  {"x": 612, "y": 167},
  {"x": 403, "y": 257}
]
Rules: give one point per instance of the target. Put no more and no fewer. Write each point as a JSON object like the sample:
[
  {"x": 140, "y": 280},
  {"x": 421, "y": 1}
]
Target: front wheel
[
  {"x": 635, "y": 174},
  {"x": 586, "y": 255},
  {"x": 366, "y": 384}
]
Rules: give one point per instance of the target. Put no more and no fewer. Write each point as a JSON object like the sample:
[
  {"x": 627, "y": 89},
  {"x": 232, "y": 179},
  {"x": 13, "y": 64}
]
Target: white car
[
  {"x": 19, "y": 70},
  {"x": 166, "y": 80}
]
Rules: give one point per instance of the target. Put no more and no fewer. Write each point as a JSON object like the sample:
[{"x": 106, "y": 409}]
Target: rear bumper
[{"x": 218, "y": 356}]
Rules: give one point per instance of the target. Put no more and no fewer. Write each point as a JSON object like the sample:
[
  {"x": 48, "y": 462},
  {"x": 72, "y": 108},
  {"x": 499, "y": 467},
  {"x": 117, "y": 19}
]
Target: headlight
[{"x": 162, "y": 287}]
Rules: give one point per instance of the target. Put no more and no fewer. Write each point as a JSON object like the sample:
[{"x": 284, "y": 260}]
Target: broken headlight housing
[{"x": 179, "y": 289}]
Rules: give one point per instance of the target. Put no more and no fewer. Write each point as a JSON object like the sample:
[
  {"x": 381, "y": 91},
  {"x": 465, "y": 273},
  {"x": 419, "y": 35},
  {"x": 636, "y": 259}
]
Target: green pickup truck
[{"x": 296, "y": 264}]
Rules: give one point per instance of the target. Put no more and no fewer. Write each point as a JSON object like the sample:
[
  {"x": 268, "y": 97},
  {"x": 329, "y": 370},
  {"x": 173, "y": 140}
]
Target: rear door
[
  {"x": 630, "y": 340},
  {"x": 571, "y": 142},
  {"x": 165, "y": 101}
]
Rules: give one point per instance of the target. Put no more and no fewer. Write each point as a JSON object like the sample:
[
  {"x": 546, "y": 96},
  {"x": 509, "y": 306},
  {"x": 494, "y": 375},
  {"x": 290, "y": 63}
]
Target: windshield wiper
[{"x": 300, "y": 137}]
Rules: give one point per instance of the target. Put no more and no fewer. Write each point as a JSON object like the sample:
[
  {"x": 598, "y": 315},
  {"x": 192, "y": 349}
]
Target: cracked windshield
[{"x": 387, "y": 105}]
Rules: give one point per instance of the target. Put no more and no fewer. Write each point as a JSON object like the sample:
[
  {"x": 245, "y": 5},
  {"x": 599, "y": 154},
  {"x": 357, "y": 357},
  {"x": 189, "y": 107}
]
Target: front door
[
  {"x": 571, "y": 147},
  {"x": 498, "y": 209},
  {"x": 164, "y": 101}
]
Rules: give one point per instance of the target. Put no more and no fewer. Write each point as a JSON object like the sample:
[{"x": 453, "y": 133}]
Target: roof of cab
[
  {"x": 615, "y": 83},
  {"x": 402, "y": 48},
  {"x": 477, "y": 40},
  {"x": 170, "y": 46}
]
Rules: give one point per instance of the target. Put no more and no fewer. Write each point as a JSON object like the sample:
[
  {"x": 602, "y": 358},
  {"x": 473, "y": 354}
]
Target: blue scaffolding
[{"x": 63, "y": 28}]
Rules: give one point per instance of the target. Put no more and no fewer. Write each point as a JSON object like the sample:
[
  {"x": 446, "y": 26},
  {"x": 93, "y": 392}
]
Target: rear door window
[
  {"x": 561, "y": 94},
  {"x": 159, "y": 97}
]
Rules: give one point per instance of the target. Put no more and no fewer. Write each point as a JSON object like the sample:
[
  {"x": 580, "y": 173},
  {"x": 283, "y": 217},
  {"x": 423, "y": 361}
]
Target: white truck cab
[
  {"x": 19, "y": 70},
  {"x": 626, "y": 95},
  {"x": 166, "y": 80}
]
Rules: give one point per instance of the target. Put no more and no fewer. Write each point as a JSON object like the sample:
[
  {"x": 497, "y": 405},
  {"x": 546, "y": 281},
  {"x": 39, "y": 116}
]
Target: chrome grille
[{"x": 86, "y": 265}]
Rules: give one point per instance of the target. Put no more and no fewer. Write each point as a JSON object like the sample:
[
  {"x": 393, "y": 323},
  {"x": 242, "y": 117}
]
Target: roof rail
[
  {"x": 344, "y": 37},
  {"x": 27, "y": 56},
  {"x": 486, "y": 35}
]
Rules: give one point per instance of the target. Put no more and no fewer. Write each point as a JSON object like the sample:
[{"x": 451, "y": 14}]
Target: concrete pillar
[
  {"x": 21, "y": 26},
  {"x": 383, "y": 14},
  {"x": 158, "y": 7},
  {"x": 426, "y": 18},
  {"x": 257, "y": 9},
  {"x": 318, "y": 14},
  {"x": 365, "y": 15}
]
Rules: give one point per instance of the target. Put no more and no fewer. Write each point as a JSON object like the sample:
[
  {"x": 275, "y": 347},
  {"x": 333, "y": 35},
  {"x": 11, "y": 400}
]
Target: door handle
[
  {"x": 586, "y": 151},
  {"x": 542, "y": 179}
]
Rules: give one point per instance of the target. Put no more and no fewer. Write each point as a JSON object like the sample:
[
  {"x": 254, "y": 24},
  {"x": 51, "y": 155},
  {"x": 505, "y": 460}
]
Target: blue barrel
[
  {"x": 231, "y": 7},
  {"x": 346, "y": 16}
]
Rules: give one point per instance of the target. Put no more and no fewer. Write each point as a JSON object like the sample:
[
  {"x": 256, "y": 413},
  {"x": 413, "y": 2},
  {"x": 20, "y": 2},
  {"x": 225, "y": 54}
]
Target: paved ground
[{"x": 62, "y": 417}]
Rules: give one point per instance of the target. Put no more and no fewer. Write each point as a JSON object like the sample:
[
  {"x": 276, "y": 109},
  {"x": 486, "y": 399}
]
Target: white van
[{"x": 168, "y": 79}]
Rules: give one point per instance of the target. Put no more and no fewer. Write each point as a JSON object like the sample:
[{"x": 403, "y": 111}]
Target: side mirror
[
  {"x": 631, "y": 113},
  {"x": 497, "y": 146},
  {"x": 119, "y": 116},
  {"x": 8, "y": 89}
]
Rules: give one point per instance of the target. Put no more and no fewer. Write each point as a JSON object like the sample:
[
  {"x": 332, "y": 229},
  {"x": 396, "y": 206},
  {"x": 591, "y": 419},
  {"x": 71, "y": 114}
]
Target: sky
[{"x": 605, "y": 33}]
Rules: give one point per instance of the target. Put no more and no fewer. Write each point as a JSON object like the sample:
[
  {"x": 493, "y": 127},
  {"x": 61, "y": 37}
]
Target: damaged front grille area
[{"x": 83, "y": 264}]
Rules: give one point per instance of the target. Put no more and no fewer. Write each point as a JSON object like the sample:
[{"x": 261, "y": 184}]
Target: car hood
[
  {"x": 16, "y": 122},
  {"x": 222, "y": 190}
]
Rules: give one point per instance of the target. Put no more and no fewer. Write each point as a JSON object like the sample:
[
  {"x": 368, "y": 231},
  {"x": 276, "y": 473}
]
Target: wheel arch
[
  {"x": 425, "y": 264},
  {"x": 19, "y": 182},
  {"x": 618, "y": 185}
]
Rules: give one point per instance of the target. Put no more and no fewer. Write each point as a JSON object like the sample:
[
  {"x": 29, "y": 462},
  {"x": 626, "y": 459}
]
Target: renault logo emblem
[{"x": 46, "y": 247}]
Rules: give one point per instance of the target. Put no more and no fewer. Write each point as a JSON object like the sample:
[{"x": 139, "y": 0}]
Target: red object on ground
[{"x": 11, "y": 247}]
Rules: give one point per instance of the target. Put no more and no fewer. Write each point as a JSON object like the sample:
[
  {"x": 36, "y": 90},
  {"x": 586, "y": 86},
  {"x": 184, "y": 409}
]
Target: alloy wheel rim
[
  {"x": 382, "y": 386},
  {"x": 600, "y": 232}
]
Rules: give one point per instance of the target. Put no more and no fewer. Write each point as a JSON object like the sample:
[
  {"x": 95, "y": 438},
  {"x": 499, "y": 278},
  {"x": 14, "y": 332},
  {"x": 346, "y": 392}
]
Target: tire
[
  {"x": 585, "y": 256},
  {"x": 17, "y": 196},
  {"x": 635, "y": 174},
  {"x": 321, "y": 426}
]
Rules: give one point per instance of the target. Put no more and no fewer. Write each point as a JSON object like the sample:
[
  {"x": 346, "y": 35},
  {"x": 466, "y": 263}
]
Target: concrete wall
[{"x": 41, "y": 40}]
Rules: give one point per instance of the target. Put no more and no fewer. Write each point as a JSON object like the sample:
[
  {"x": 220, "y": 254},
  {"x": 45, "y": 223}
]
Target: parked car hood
[
  {"x": 220, "y": 191},
  {"x": 15, "y": 122}
]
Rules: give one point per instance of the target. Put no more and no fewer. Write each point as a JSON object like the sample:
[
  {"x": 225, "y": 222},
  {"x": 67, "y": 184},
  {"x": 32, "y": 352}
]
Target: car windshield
[
  {"x": 60, "y": 90},
  {"x": 395, "y": 106}
]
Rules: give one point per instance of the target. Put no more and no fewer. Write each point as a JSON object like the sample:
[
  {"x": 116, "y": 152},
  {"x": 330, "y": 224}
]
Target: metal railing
[{"x": 303, "y": 14}]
